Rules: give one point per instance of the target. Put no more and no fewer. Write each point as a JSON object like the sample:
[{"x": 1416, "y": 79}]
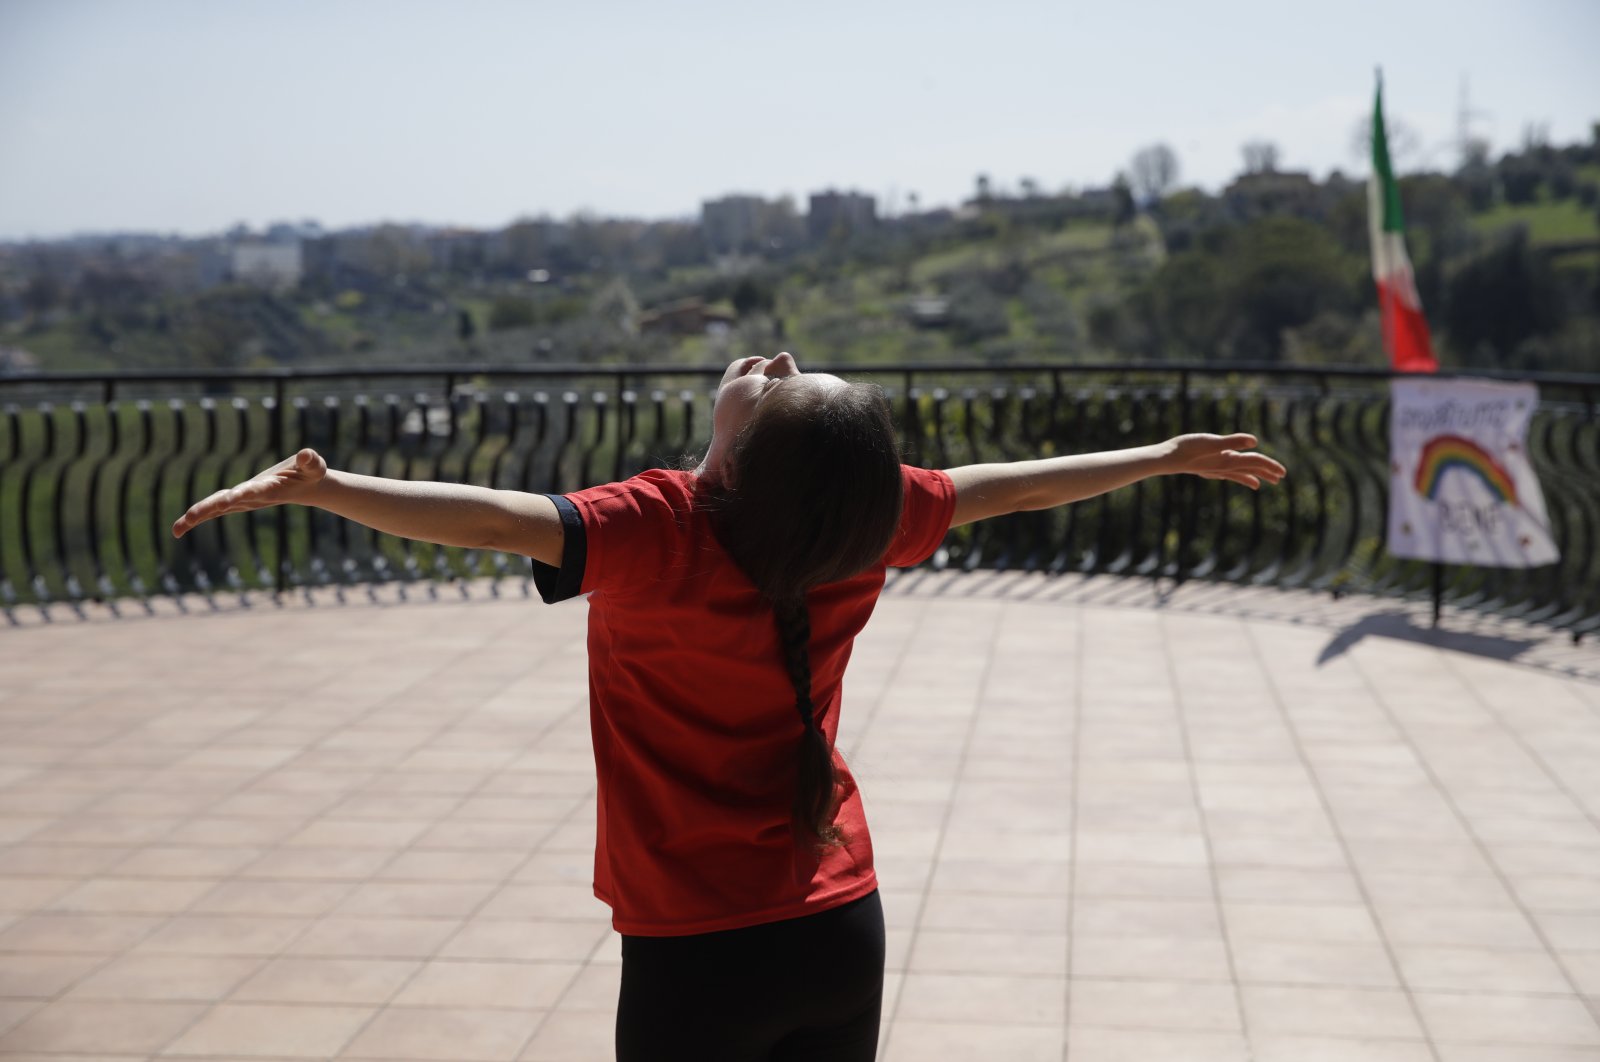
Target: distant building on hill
[
  {"x": 846, "y": 212},
  {"x": 268, "y": 265},
  {"x": 1254, "y": 195},
  {"x": 747, "y": 223},
  {"x": 458, "y": 251}
]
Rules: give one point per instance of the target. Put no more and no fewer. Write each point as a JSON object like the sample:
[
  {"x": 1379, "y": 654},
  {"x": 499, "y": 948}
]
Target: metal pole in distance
[{"x": 1438, "y": 591}]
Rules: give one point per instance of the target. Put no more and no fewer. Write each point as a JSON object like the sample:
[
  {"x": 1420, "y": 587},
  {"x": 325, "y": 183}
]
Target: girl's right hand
[{"x": 294, "y": 479}]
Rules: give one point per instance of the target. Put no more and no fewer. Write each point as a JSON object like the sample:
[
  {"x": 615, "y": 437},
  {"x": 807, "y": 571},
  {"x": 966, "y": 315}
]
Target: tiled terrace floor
[{"x": 1240, "y": 825}]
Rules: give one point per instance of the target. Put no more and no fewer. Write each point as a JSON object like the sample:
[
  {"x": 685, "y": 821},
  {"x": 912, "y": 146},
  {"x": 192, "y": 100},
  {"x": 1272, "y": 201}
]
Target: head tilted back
[{"x": 813, "y": 490}]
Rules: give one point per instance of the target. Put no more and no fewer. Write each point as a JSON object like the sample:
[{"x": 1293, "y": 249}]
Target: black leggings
[{"x": 806, "y": 989}]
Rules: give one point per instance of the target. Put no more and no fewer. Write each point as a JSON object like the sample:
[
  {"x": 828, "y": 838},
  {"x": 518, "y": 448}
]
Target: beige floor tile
[
  {"x": 1476, "y": 969},
  {"x": 318, "y": 864},
  {"x": 1286, "y": 885},
  {"x": 573, "y": 1036},
  {"x": 386, "y": 834},
  {"x": 400, "y": 899},
  {"x": 1312, "y": 963},
  {"x": 65, "y": 860},
  {"x": 413, "y": 806},
  {"x": 1151, "y": 957},
  {"x": 456, "y": 983},
  {"x": 118, "y": 895},
  {"x": 445, "y": 1034},
  {"x": 1330, "y": 923},
  {"x": 1142, "y": 1045},
  {"x": 20, "y": 896},
  {"x": 596, "y": 987},
  {"x": 1571, "y": 930},
  {"x": 14, "y": 1012},
  {"x": 432, "y": 865},
  {"x": 1268, "y": 1048},
  {"x": 31, "y": 975},
  {"x": 1158, "y": 849},
  {"x": 502, "y": 836},
  {"x": 1151, "y": 1004},
  {"x": 1584, "y": 966},
  {"x": 1508, "y": 1019},
  {"x": 374, "y": 938},
  {"x": 1265, "y": 850},
  {"x": 1504, "y": 927},
  {"x": 300, "y": 1031},
  {"x": 1435, "y": 890},
  {"x": 1041, "y": 878},
  {"x": 920, "y": 1041},
  {"x": 266, "y": 897},
  {"x": 525, "y": 939},
  {"x": 995, "y": 999},
  {"x": 327, "y": 981},
  {"x": 1507, "y": 1053},
  {"x": 544, "y": 901},
  {"x": 1283, "y": 1010},
  {"x": 942, "y": 951},
  {"x": 1143, "y": 882},
  {"x": 85, "y": 828},
  {"x": 1051, "y": 846},
  {"x": 218, "y": 830},
  {"x": 179, "y": 861},
  {"x": 98, "y": 934},
  {"x": 165, "y": 977},
  {"x": 1096, "y": 916},
  {"x": 986, "y": 912},
  {"x": 207, "y": 934},
  {"x": 121, "y": 1027}
]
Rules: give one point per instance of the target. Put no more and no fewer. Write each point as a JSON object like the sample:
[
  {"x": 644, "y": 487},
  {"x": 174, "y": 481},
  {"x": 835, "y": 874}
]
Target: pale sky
[{"x": 192, "y": 115}]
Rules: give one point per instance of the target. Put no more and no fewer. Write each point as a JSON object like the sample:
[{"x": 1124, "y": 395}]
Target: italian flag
[{"x": 1405, "y": 330}]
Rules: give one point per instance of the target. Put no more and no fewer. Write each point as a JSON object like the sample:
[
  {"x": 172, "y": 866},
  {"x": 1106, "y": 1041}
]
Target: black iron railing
[{"x": 94, "y": 469}]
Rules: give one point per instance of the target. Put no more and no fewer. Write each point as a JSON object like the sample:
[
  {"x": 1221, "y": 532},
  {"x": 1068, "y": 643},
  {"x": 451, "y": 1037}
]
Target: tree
[
  {"x": 1501, "y": 298},
  {"x": 1124, "y": 200},
  {"x": 1282, "y": 272},
  {"x": 510, "y": 311},
  {"x": 751, "y": 295},
  {"x": 1152, "y": 172},
  {"x": 1260, "y": 156},
  {"x": 983, "y": 188},
  {"x": 1187, "y": 303}
]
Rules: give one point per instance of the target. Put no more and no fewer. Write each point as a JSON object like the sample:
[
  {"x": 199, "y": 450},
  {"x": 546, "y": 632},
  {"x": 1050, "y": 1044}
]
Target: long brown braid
[
  {"x": 813, "y": 496},
  {"x": 816, "y": 792}
]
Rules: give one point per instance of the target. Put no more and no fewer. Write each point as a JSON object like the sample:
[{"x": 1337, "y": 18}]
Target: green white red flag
[{"x": 1405, "y": 330}]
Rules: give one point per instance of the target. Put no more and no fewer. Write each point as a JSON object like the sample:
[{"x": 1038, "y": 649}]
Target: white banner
[{"x": 1461, "y": 488}]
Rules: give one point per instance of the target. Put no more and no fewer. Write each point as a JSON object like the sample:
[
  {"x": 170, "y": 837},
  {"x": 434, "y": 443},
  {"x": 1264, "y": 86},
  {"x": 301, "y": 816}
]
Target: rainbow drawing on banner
[{"x": 1444, "y": 452}]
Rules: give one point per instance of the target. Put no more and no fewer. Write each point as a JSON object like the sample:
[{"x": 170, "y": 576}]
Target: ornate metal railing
[{"x": 94, "y": 469}]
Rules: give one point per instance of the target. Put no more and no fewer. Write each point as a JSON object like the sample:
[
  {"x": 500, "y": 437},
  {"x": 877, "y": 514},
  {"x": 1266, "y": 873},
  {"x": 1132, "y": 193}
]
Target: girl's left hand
[{"x": 1220, "y": 457}]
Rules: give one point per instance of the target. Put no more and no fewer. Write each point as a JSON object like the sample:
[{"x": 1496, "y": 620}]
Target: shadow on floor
[{"x": 1399, "y": 624}]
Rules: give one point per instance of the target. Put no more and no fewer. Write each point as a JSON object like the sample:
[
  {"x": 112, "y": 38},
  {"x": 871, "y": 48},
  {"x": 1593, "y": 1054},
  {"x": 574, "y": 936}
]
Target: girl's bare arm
[
  {"x": 450, "y": 514},
  {"x": 989, "y": 490}
]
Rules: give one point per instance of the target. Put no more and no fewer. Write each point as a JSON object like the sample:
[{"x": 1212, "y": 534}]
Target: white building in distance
[{"x": 268, "y": 265}]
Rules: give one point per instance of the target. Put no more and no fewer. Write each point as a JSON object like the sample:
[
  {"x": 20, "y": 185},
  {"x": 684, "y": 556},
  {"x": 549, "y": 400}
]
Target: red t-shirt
[{"x": 696, "y": 741}]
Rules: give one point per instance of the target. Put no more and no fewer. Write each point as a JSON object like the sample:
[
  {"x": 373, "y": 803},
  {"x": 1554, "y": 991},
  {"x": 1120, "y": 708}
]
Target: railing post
[{"x": 279, "y": 412}]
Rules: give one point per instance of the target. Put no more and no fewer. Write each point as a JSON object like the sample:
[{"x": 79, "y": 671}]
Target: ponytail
[{"x": 815, "y": 794}]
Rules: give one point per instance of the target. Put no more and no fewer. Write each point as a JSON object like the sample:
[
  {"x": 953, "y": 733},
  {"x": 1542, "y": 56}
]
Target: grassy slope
[{"x": 1548, "y": 222}]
